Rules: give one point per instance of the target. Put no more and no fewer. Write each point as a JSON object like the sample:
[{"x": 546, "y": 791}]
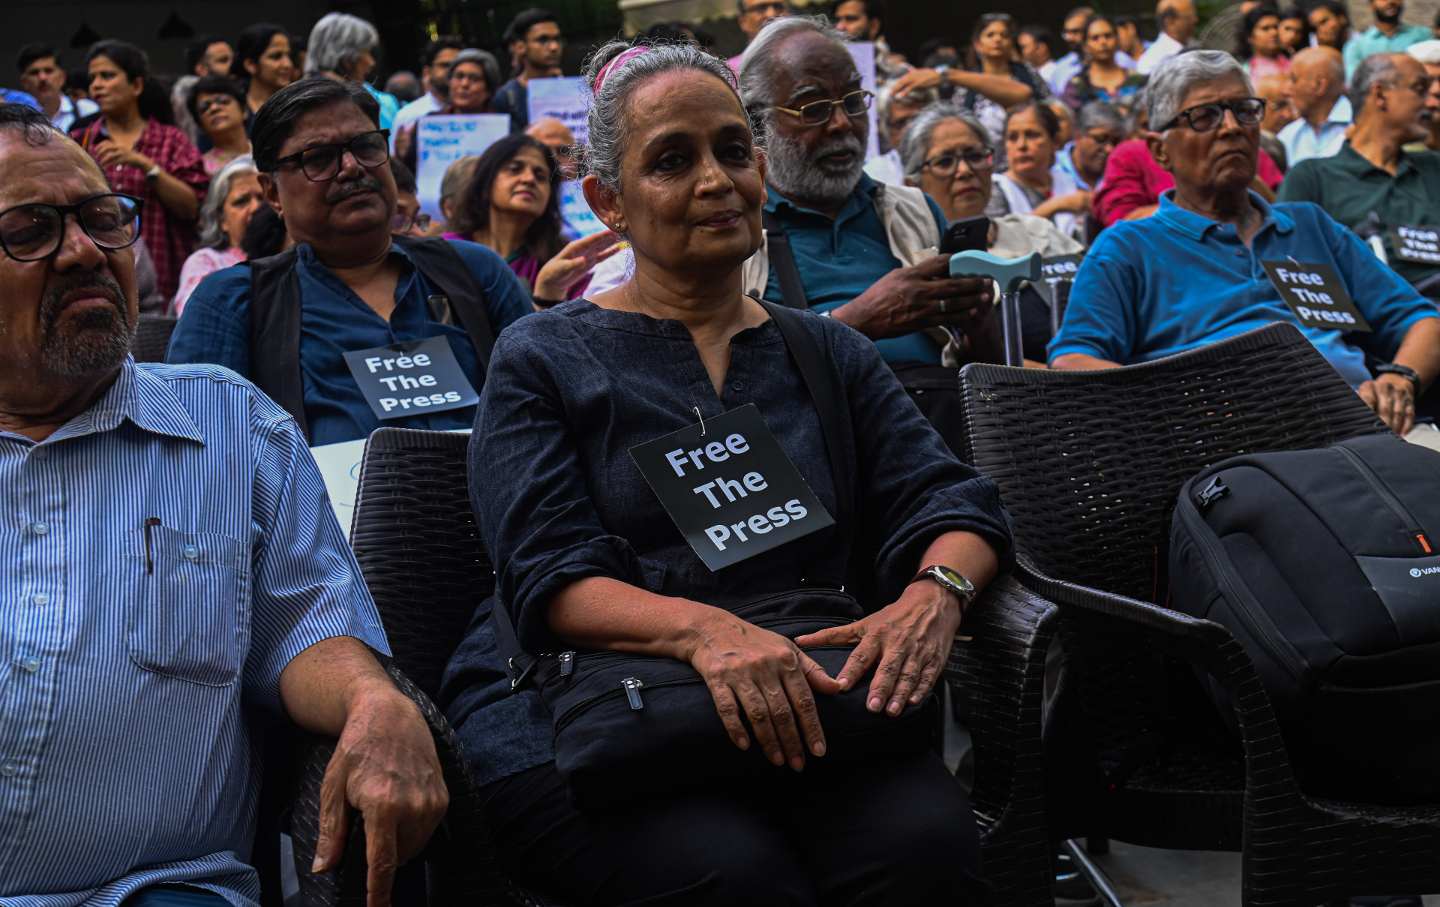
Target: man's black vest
[{"x": 275, "y": 316}]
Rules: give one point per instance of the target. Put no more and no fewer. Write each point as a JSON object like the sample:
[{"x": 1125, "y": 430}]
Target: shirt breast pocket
[{"x": 188, "y": 614}]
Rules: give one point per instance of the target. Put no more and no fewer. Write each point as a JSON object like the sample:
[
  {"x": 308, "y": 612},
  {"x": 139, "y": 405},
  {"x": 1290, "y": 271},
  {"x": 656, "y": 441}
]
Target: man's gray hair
[
  {"x": 212, "y": 212},
  {"x": 758, "y": 72},
  {"x": 885, "y": 98},
  {"x": 1377, "y": 69},
  {"x": 1100, "y": 115},
  {"x": 1173, "y": 79},
  {"x": 608, "y": 133},
  {"x": 337, "y": 42},
  {"x": 916, "y": 143}
]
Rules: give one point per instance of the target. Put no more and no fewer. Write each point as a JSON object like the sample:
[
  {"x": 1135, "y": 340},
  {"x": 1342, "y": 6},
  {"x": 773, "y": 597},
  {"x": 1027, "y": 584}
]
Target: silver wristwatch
[{"x": 950, "y": 579}]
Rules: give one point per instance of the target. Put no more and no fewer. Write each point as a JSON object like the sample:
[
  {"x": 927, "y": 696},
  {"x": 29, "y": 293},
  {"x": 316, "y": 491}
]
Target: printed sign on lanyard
[
  {"x": 1316, "y": 295},
  {"x": 730, "y": 489},
  {"x": 412, "y": 378},
  {"x": 1056, "y": 273},
  {"x": 1416, "y": 245}
]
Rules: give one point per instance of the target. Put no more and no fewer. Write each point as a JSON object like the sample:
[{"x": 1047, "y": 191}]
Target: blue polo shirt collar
[
  {"x": 1197, "y": 227},
  {"x": 862, "y": 194},
  {"x": 140, "y": 398}
]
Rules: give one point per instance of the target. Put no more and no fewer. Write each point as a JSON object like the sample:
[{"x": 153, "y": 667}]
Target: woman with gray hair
[
  {"x": 756, "y": 802},
  {"x": 342, "y": 46},
  {"x": 233, "y": 198},
  {"x": 471, "y": 82},
  {"x": 950, "y": 155}
]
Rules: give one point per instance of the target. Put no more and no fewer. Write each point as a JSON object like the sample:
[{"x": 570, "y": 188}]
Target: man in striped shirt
[{"x": 168, "y": 566}]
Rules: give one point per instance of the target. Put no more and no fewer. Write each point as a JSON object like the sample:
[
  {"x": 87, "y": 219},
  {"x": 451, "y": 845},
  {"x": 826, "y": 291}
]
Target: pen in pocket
[{"x": 150, "y": 522}]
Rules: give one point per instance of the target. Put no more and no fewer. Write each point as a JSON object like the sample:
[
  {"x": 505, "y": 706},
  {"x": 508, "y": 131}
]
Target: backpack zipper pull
[
  {"x": 1212, "y": 492},
  {"x": 567, "y": 664},
  {"x": 632, "y": 687}
]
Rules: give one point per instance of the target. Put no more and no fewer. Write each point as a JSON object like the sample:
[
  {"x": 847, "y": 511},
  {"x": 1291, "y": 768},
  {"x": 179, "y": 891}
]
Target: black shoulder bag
[
  {"x": 275, "y": 316},
  {"x": 629, "y": 724}
]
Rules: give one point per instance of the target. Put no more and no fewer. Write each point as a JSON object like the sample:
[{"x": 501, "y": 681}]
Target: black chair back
[
  {"x": 1089, "y": 463},
  {"x": 415, "y": 537},
  {"x": 152, "y": 338}
]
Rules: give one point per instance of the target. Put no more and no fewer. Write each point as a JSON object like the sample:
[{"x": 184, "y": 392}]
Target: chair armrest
[
  {"x": 1203, "y": 643},
  {"x": 999, "y": 676},
  {"x": 457, "y": 863}
]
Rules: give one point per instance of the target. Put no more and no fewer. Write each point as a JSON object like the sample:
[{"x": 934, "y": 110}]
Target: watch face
[{"x": 957, "y": 578}]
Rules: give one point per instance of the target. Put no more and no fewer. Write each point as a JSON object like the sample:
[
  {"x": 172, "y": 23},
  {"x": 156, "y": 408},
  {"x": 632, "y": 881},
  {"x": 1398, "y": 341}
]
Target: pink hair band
[{"x": 625, "y": 56}]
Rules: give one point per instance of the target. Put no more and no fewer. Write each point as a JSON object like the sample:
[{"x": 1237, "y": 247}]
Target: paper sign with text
[
  {"x": 1317, "y": 296},
  {"x": 730, "y": 489},
  {"x": 863, "y": 53},
  {"x": 575, "y": 211},
  {"x": 1056, "y": 274},
  {"x": 441, "y": 140},
  {"x": 340, "y": 469},
  {"x": 412, "y": 378},
  {"x": 567, "y": 99},
  {"x": 1416, "y": 245}
]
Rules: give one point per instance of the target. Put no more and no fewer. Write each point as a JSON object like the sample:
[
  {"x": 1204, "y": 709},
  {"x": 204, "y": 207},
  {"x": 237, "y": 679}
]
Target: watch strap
[{"x": 1404, "y": 371}]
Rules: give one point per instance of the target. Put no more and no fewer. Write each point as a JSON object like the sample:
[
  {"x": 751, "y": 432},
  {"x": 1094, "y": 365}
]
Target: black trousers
[{"x": 893, "y": 832}]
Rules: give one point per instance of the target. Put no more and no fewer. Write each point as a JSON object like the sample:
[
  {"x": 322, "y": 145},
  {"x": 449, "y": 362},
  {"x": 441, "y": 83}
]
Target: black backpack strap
[
  {"x": 275, "y": 333},
  {"x": 827, "y": 392},
  {"x": 443, "y": 267},
  {"x": 782, "y": 260}
]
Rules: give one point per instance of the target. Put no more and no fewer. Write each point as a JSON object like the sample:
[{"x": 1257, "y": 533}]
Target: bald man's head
[
  {"x": 1177, "y": 19},
  {"x": 1317, "y": 77}
]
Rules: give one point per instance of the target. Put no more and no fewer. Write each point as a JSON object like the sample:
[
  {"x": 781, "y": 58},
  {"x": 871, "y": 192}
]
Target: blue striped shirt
[{"x": 163, "y": 556}]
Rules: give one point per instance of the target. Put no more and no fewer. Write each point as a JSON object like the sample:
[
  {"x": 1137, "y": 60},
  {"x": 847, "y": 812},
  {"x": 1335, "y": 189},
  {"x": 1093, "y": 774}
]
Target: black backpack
[
  {"x": 275, "y": 316},
  {"x": 1324, "y": 564}
]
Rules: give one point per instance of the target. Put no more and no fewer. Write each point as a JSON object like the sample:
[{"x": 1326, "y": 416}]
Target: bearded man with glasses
[
  {"x": 1200, "y": 269},
  {"x": 348, "y": 286},
  {"x": 170, "y": 569}
]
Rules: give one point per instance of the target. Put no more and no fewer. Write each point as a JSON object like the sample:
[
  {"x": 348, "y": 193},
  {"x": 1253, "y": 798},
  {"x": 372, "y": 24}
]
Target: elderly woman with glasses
[
  {"x": 342, "y": 46},
  {"x": 233, "y": 199},
  {"x": 1210, "y": 262},
  {"x": 950, "y": 155}
]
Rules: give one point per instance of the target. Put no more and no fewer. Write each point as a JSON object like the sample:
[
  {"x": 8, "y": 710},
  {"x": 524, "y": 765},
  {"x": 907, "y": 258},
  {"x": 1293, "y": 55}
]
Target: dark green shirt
[{"x": 1349, "y": 187}]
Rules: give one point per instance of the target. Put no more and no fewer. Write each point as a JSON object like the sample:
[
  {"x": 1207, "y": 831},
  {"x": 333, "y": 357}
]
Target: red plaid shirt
[{"x": 169, "y": 239}]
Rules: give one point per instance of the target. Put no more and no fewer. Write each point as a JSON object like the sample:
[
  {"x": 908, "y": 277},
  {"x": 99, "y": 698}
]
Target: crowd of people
[{"x": 268, "y": 199}]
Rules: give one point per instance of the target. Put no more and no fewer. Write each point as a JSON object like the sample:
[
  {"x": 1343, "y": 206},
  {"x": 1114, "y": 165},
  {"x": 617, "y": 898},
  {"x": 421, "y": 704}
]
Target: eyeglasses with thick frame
[
  {"x": 818, "y": 113},
  {"x": 1208, "y": 117},
  {"x": 321, "y": 163},
  {"x": 35, "y": 232},
  {"x": 947, "y": 163}
]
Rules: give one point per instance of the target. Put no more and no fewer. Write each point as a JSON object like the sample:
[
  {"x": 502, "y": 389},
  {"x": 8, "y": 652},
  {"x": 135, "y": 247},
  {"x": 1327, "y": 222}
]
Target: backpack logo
[{"x": 1418, "y": 572}]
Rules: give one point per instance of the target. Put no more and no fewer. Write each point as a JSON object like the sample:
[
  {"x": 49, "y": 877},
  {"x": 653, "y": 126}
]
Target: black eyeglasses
[
  {"x": 1207, "y": 117},
  {"x": 206, "y": 106},
  {"x": 35, "y": 232},
  {"x": 818, "y": 113},
  {"x": 948, "y": 162},
  {"x": 404, "y": 223},
  {"x": 321, "y": 163}
]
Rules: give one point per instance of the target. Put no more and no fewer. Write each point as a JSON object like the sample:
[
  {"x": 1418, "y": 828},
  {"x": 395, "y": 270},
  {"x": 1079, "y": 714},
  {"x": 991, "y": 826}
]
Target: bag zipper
[
  {"x": 1289, "y": 659},
  {"x": 1413, "y": 527},
  {"x": 620, "y": 690}
]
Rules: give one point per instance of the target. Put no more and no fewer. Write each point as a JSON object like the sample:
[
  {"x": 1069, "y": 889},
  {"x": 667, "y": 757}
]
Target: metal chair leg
[{"x": 1093, "y": 872}]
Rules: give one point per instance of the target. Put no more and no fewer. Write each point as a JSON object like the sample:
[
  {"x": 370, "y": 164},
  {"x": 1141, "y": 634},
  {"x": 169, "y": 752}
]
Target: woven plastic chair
[
  {"x": 152, "y": 338},
  {"x": 1089, "y": 465},
  {"x": 416, "y": 540}
]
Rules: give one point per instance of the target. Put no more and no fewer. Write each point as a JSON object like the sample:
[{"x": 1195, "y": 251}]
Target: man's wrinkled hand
[
  {"x": 1393, "y": 399},
  {"x": 386, "y": 769}
]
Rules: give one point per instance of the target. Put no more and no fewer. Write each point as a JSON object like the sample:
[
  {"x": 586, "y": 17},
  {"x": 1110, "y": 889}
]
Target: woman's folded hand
[
  {"x": 766, "y": 678},
  {"x": 906, "y": 642}
]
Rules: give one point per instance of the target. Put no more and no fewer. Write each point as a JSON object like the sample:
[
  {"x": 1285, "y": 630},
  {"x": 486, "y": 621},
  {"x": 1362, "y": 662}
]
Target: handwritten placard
[
  {"x": 566, "y": 99},
  {"x": 575, "y": 211},
  {"x": 442, "y": 140}
]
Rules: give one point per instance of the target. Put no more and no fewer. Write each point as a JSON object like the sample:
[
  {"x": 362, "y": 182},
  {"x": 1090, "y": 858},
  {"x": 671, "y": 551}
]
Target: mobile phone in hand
[{"x": 970, "y": 234}]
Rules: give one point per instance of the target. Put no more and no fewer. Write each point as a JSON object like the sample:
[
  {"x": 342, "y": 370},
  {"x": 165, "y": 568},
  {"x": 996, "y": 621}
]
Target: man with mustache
[
  {"x": 348, "y": 286},
  {"x": 1193, "y": 272},
  {"x": 1387, "y": 36},
  {"x": 171, "y": 569},
  {"x": 1372, "y": 171},
  {"x": 864, "y": 253}
]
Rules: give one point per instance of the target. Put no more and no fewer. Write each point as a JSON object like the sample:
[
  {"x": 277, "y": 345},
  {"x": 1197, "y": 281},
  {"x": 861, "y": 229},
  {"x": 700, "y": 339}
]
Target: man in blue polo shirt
[
  {"x": 865, "y": 254},
  {"x": 1201, "y": 269},
  {"x": 348, "y": 287}
]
